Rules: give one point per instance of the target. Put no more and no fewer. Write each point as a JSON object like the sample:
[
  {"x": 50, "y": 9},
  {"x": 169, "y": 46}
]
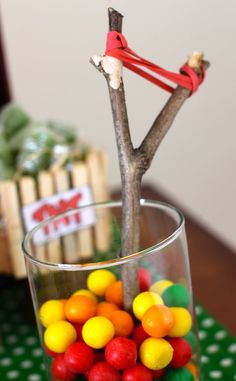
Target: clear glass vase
[{"x": 77, "y": 292}]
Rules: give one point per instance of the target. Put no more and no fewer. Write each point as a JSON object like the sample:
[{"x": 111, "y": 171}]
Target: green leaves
[
  {"x": 28, "y": 147},
  {"x": 13, "y": 119}
]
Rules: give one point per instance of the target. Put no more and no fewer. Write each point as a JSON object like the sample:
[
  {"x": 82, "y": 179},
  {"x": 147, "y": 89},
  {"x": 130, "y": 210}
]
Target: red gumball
[
  {"x": 79, "y": 357},
  {"x": 157, "y": 374},
  {"x": 182, "y": 352},
  {"x": 102, "y": 371},
  {"x": 121, "y": 353},
  {"x": 139, "y": 335},
  {"x": 60, "y": 371},
  {"x": 144, "y": 278},
  {"x": 137, "y": 373}
]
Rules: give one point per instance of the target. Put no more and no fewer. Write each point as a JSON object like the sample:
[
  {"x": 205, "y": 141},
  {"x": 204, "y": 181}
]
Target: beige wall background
[{"x": 48, "y": 47}]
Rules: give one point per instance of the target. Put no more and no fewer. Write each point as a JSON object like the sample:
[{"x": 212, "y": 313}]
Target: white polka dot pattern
[
  {"x": 204, "y": 359},
  {"x": 220, "y": 335},
  {"x": 212, "y": 348},
  {"x": 218, "y": 351},
  {"x": 20, "y": 351},
  {"x": 215, "y": 374},
  {"x": 202, "y": 335},
  {"x": 34, "y": 377},
  {"x": 226, "y": 362},
  {"x": 232, "y": 348},
  {"x": 5, "y": 361},
  {"x": 208, "y": 322},
  {"x": 12, "y": 375}
]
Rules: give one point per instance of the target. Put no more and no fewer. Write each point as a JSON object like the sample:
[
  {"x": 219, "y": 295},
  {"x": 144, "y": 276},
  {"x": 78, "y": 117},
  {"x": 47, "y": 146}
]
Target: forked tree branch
[{"x": 135, "y": 162}]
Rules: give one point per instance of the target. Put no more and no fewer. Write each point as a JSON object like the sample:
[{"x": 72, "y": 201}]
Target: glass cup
[{"x": 77, "y": 292}]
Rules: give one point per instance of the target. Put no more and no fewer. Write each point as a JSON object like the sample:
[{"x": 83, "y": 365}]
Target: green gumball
[
  {"x": 181, "y": 374},
  {"x": 192, "y": 340},
  {"x": 177, "y": 295}
]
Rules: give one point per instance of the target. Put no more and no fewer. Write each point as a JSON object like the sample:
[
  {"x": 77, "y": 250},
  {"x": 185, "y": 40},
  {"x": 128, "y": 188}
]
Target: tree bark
[{"x": 135, "y": 162}]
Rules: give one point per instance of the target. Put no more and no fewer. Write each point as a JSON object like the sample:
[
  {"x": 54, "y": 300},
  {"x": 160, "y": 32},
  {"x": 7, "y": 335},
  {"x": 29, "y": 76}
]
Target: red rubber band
[
  {"x": 117, "y": 47},
  {"x": 115, "y": 40}
]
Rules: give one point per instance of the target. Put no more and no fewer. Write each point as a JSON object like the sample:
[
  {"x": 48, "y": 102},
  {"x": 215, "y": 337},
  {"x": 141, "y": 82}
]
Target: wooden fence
[{"x": 70, "y": 248}]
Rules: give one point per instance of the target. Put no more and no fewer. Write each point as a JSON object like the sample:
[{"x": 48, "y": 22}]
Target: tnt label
[{"x": 51, "y": 206}]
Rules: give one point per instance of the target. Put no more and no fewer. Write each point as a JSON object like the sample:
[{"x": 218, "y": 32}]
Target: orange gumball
[
  {"x": 157, "y": 321},
  {"x": 123, "y": 323},
  {"x": 192, "y": 368},
  {"x": 106, "y": 309},
  {"x": 80, "y": 308},
  {"x": 114, "y": 293}
]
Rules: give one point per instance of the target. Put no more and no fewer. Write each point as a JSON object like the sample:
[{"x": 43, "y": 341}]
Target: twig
[{"x": 135, "y": 162}]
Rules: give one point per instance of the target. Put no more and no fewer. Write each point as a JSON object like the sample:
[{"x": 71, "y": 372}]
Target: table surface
[{"x": 213, "y": 267}]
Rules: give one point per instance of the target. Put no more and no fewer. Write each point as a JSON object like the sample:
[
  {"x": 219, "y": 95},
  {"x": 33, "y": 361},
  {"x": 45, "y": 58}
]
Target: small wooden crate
[{"x": 80, "y": 245}]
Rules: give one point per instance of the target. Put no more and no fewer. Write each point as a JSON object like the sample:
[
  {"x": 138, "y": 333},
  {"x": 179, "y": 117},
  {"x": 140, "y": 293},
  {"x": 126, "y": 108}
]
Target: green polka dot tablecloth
[{"x": 21, "y": 355}]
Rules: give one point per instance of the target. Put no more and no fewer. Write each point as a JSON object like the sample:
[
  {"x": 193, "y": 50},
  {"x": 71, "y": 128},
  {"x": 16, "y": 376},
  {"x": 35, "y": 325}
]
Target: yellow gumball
[
  {"x": 59, "y": 336},
  {"x": 51, "y": 311},
  {"x": 99, "y": 280},
  {"x": 182, "y": 322},
  {"x": 144, "y": 301},
  {"x": 155, "y": 354},
  {"x": 98, "y": 331},
  {"x": 84, "y": 291},
  {"x": 160, "y": 286}
]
